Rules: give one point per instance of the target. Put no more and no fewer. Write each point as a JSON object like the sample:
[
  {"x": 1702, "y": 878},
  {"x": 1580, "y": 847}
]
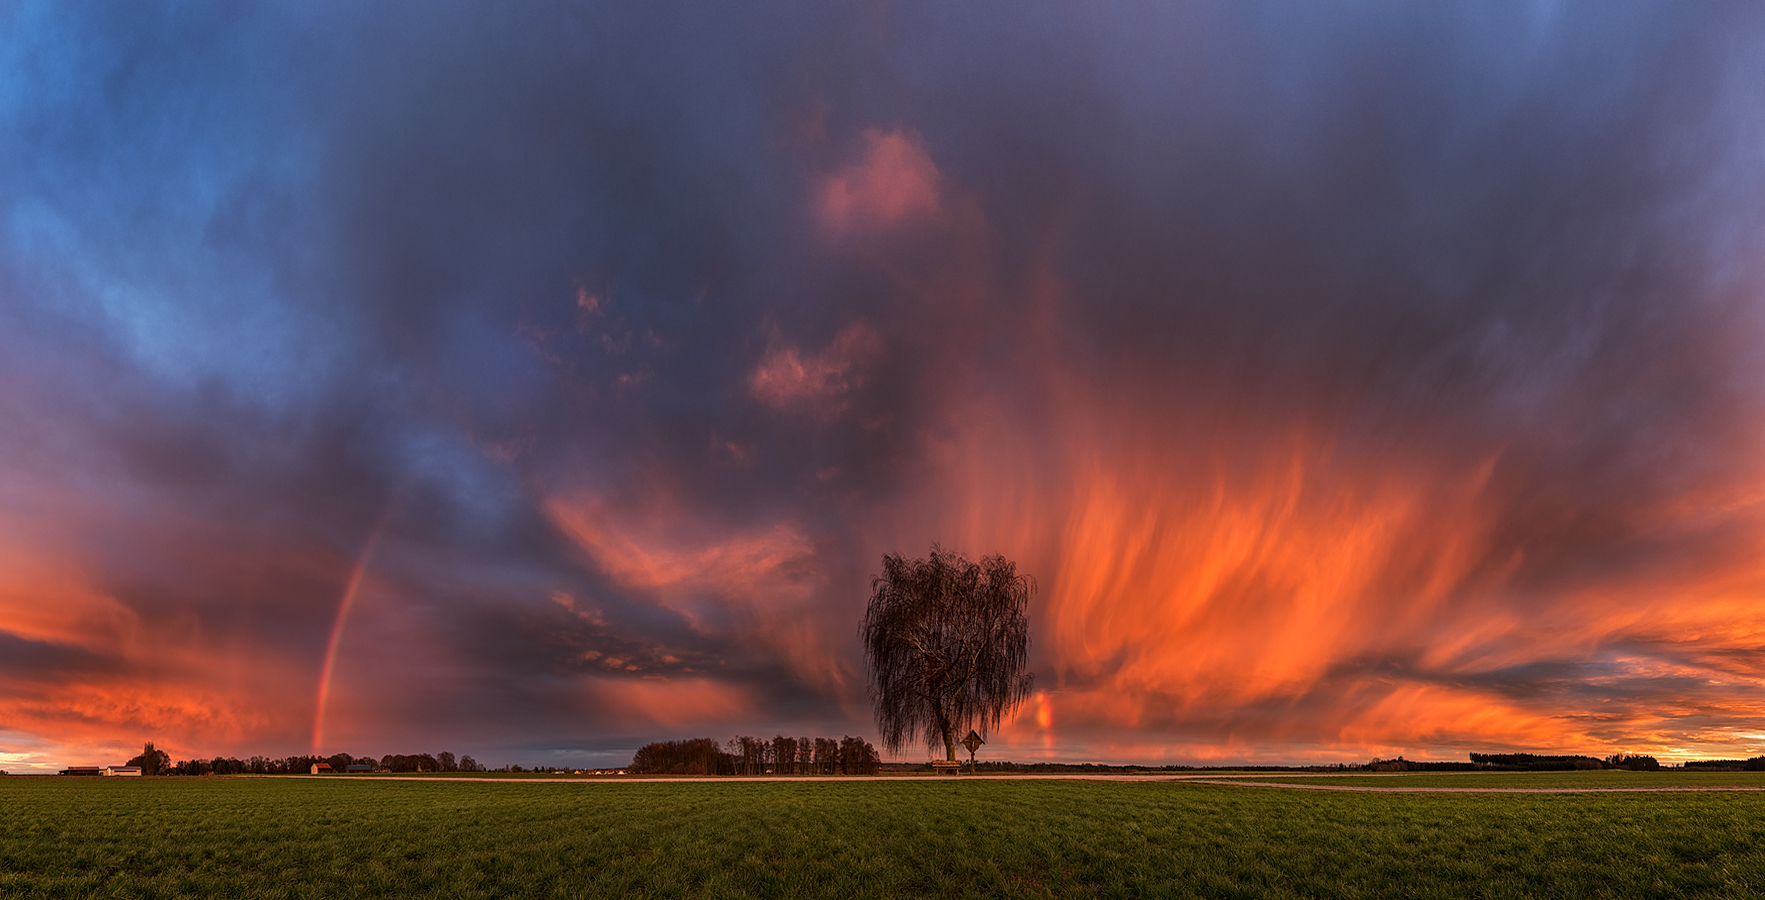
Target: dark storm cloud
[{"x": 501, "y": 286}]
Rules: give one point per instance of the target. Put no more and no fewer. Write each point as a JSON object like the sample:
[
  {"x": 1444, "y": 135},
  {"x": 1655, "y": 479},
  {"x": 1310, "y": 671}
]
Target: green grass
[
  {"x": 1598, "y": 779},
  {"x": 323, "y": 838}
]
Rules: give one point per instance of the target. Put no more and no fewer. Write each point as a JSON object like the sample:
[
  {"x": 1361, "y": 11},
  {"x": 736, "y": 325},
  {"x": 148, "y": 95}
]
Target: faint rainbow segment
[{"x": 350, "y": 590}]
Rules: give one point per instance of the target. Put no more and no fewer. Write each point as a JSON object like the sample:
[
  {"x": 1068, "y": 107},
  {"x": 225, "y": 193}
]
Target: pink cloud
[
  {"x": 685, "y": 703},
  {"x": 759, "y": 585},
  {"x": 786, "y": 377},
  {"x": 894, "y": 182}
]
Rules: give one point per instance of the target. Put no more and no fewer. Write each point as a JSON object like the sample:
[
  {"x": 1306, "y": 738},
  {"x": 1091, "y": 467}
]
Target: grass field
[
  {"x": 1605, "y": 779},
  {"x": 267, "y": 837}
]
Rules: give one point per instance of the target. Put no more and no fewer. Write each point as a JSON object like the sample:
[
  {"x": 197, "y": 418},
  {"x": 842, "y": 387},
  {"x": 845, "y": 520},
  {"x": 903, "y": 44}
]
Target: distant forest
[
  {"x": 154, "y": 761},
  {"x": 744, "y": 755},
  {"x": 1536, "y": 762},
  {"x": 1521, "y": 762}
]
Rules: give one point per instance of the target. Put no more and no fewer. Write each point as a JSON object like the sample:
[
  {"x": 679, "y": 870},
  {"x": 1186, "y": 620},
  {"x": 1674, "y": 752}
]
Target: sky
[{"x": 536, "y": 381}]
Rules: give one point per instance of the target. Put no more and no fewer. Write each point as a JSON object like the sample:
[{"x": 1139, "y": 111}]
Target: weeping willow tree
[{"x": 946, "y": 641}]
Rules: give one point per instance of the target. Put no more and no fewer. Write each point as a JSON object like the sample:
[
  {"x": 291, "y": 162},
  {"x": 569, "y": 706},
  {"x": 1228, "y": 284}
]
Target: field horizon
[{"x": 760, "y": 836}]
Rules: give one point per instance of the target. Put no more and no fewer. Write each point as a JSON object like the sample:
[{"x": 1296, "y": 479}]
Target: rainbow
[{"x": 350, "y": 590}]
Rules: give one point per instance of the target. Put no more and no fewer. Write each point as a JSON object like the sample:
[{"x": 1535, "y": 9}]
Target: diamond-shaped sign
[{"x": 973, "y": 742}]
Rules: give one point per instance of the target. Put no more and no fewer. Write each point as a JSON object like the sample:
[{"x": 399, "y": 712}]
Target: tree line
[
  {"x": 154, "y": 761},
  {"x": 744, "y": 755},
  {"x": 1536, "y": 762},
  {"x": 1754, "y": 764}
]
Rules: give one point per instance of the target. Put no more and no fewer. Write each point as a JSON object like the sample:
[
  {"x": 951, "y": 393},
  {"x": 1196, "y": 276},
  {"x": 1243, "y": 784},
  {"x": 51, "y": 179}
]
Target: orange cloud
[
  {"x": 1237, "y": 583},
  {"x": 44, "y": 601},
  {"x": 103, "y": 671}
]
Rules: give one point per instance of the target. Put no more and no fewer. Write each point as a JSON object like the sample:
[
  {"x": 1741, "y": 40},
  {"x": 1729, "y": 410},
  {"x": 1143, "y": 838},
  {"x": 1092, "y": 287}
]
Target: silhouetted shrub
[
  {"x": 700, "y": 756},
  {"x": 1531, "y": 762},
  {"x": 1633, "y": 762},
  {"x": 857, "y": 757}
]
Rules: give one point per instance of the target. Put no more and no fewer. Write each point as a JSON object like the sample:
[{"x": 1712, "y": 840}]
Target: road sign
[{"x": 973, "y": 742}]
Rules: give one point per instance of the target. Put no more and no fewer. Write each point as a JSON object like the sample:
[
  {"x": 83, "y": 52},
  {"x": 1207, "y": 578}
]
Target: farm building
[{"x": 122, "y": 770}]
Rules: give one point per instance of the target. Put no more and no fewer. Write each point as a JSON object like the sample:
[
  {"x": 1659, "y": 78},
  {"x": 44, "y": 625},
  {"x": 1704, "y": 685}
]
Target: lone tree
[
  {"x": 153, "y": 761},
  {"x": 946, "y": 640}
]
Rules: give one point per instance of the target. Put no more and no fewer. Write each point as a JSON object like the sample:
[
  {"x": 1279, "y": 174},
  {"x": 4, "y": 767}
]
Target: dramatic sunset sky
[{"x": 537, "y": 380}]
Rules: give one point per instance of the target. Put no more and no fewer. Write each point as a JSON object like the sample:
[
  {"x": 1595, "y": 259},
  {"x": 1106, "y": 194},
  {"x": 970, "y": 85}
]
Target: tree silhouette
[
  {"x": 947, "y": 641},
  {"x": 153, "y": 761},
  {"x": 827, "y": 756}
]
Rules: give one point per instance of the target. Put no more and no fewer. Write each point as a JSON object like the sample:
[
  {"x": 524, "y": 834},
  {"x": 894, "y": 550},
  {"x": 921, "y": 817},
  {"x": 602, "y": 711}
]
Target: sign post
[{"x": 973, "y": 742}]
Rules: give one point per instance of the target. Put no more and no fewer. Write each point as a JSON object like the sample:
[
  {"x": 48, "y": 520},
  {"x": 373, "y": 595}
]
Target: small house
[{"x": 323, "y": 769}]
